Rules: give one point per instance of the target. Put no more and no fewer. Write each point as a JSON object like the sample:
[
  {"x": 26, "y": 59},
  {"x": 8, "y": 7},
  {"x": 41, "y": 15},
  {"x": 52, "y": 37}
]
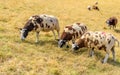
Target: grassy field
[{"x": 45, "y": 58}]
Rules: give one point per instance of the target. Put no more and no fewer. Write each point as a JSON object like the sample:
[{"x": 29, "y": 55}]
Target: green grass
[{"x": 45, "y": 58}]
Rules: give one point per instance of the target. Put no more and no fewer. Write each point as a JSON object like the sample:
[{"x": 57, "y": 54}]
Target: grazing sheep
[
  {"x": 97, "y": 40},
  {"x": 89, "y": 8},
  {"x": 112, "y": 21},
  {"x": 94, "y": 7},
  {"x": 39, "y": 23},
  {"x": 72, "y": 32}
]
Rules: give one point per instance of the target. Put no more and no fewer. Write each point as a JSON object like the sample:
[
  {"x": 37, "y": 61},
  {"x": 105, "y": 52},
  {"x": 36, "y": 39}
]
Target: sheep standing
[
  {"x": 112, "y": 22},
  {"x": 72, "y": 32},
  {"x": 39, "y": 23}
]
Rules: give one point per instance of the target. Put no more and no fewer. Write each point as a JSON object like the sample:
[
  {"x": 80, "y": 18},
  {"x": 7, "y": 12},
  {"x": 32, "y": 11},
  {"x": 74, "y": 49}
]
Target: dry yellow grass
[{"x": 45, "y": 58}]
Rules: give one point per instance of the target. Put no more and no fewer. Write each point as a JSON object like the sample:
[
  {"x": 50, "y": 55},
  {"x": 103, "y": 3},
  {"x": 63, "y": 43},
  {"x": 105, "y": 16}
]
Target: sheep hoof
[
  {"x": 37, "y": 42},
  {"x": 114, "y": 60},
  {"x": 91, "y": 55},
  {"x": 102, "y": 61},
  {"x": 67, "y": 46}
]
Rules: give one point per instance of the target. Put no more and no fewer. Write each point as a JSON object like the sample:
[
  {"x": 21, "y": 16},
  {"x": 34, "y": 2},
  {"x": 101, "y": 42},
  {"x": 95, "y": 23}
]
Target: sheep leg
[
  {"x": 110, "y": 26},
  {"x": 113, "y": 53},
  {"x": 54, "y": 34},
  {"x": 92, "y": 52},
  {"x": 113, "y": 27},
  {"x": 37, "y": 37},
  {"x": 67, "y": 45},
  {"x": 58, "y": 32},
  {"x": 106, "y": 58},
  {"x": 73, "y": 41}
]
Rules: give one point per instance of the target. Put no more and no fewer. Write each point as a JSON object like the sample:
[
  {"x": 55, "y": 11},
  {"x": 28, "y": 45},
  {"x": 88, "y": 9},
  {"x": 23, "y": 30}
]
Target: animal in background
[
  {"x": 97, "y": 40},
  {"x": 93, "y": 7},
  {"x": 112, "y": 22},
  {"x": 71, "y": 33},
  {"x": 39, "y": 23}
]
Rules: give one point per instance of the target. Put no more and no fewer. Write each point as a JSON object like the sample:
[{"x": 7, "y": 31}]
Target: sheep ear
[
  {"x": 20, "y": 28},
  {"x": 58, "y": 39},
  {"x": 64, "y": 40}
]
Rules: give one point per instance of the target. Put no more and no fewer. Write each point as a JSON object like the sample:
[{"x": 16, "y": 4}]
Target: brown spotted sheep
[
  {"x": 97, "y": 40},
  {"x": 39, "y": 23},
  {"x": 72, "y": 32},
  {"x": 112, "y": 21},
  {"x": 93, "y": 7}
]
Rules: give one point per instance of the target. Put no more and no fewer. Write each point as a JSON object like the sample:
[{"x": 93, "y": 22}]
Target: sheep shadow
[
  {"x": 45, "y": 42},
  {"x": 80, "y": 51},
  {"x": 116, "y": 63},
  {"x": 40, "y": 43},
  {"x": 117, "y": 30},
  {"x": 98, "y": 56}
]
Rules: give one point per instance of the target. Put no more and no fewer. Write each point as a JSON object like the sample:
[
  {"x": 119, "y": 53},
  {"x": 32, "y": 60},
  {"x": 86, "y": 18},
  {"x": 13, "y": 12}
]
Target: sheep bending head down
[
  {"x": 40, "y": 23},
  {"x": 72, "y": 32},
  {"x": 98, "y": 40}
]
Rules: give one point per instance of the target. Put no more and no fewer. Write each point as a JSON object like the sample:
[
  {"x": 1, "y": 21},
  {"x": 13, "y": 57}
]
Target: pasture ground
[{"x": 45, "y": 58}]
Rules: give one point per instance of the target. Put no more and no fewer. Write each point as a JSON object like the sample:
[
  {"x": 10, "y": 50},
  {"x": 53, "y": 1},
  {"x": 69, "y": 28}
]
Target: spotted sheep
[
  {"x": 112, "y": 21},
  {"x": 72, "y": 32},
  {"x": 94, "y": 7},
  {"x": 39, "y": 23},
  {"x": 97, "y": 40}
]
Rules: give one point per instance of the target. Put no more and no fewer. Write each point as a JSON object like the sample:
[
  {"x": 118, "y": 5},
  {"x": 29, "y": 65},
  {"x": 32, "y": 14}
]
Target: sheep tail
[{"x": 117, "y": 42}]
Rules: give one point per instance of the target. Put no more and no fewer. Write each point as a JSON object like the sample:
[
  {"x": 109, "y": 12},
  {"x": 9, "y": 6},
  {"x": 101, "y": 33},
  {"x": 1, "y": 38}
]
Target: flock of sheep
[{"x": 92, "y": 40}]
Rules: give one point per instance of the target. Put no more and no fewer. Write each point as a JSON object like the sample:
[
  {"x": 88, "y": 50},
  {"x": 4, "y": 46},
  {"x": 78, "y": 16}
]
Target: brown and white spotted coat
[
  {"x": 39, "y": 23},
  {"x": 97, "y": 40},
  {"x": 72, "y": 32},
  {"x": 94, "y": 7},
  {"x": 112, "y": 21}
]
